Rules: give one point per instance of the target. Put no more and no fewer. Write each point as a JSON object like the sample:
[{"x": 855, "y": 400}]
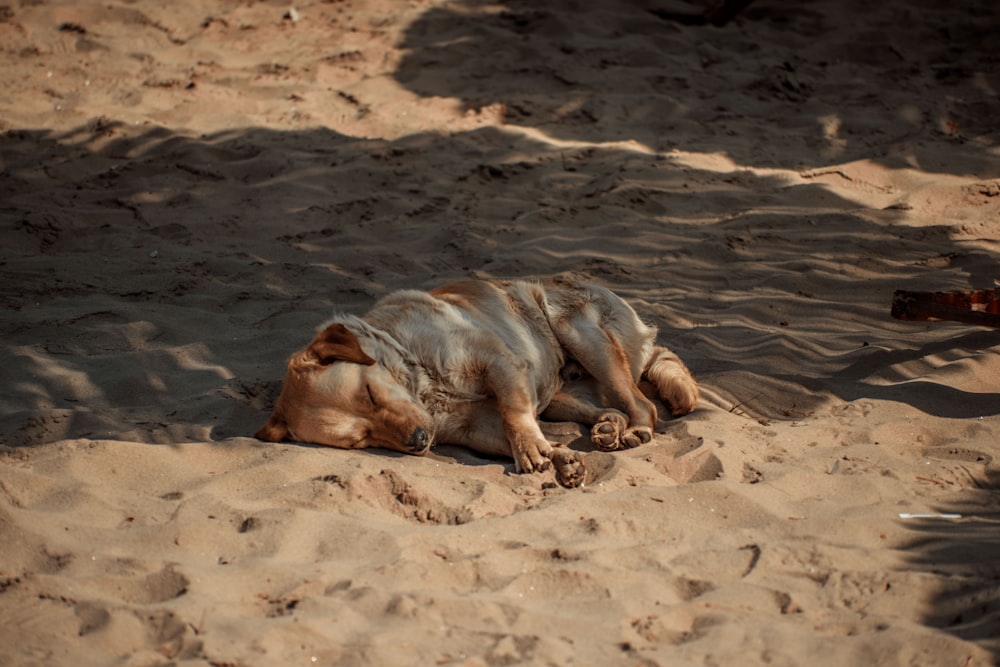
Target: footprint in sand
[{"x": 958, "y": 454}]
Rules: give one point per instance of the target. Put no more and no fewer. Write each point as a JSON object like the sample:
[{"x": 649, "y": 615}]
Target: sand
[{"x": 187, "y": 189}]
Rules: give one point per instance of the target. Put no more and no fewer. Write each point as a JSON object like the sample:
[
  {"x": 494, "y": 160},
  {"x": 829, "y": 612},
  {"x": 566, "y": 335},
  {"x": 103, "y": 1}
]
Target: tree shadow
[
  {"x": 612, "y": 70},
  {"x": 120, "y": 244},
  {"x": 134, "y": 237},
  {"x": 963, "y": 554}
]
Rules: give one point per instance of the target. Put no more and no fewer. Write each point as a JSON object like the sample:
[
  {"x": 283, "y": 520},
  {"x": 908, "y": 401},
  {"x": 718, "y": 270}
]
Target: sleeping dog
[{"x": 475, "y": 363}]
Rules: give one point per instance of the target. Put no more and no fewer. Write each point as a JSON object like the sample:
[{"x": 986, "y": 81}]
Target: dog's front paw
[
  {"x": 607, "y": 432},
  {"x": 569, "y": 467},
  {"x": 531, "y": 455}
]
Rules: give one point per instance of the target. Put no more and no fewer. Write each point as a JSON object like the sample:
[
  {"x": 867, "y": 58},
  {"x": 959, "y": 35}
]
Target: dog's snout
[{"x": 418, "y": 440}]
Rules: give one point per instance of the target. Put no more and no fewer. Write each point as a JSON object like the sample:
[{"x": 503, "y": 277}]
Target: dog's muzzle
[{"x": 419, "y": 441}]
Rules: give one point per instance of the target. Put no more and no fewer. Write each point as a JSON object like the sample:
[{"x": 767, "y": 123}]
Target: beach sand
[{"x": 188, "y": 189}]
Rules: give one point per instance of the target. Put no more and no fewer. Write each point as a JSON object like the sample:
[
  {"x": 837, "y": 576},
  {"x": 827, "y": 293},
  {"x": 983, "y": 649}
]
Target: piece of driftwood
[{"x": 980, "y": 307}]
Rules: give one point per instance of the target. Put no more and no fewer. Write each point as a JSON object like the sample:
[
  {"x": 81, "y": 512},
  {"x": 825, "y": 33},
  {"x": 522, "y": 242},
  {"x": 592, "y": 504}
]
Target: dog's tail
[{"x": 673, "y": 381}]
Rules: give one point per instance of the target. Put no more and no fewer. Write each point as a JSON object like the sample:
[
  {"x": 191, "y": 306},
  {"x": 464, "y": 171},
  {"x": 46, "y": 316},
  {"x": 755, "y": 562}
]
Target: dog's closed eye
[{"x": 371, "y": 396}]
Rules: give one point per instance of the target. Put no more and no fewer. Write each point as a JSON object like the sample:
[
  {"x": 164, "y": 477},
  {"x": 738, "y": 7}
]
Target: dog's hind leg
[
  {"x": 604, "y": 357},
  {"x": 673, "y": 381},
  {"x": 578, "y": 402}
]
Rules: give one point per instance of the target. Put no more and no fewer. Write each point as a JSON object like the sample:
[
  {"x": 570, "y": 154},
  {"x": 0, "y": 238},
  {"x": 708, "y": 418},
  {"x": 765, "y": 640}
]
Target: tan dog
[{"x": 475, "y": 364}]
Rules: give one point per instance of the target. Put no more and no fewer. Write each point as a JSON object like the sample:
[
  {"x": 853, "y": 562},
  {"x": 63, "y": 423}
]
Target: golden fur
[{"x": 475, "y": 364}]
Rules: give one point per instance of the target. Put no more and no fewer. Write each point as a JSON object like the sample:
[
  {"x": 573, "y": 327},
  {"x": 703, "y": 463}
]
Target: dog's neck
[
  {"x": 437, "y": 394},
  {"x": 403, "y": 366},
  {"x": 420, "y": 380}
]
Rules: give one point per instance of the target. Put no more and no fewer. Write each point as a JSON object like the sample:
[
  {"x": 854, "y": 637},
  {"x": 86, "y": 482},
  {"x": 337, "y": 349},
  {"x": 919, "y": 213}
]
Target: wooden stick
[{"x": 981, "y": 307}]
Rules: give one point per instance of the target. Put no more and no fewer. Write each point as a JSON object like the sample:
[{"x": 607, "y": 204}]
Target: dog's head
[{"x": 336, "y": 394}]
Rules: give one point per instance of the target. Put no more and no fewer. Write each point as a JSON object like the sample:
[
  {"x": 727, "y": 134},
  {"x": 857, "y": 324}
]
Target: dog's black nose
[{"x": 418, "y": 440}]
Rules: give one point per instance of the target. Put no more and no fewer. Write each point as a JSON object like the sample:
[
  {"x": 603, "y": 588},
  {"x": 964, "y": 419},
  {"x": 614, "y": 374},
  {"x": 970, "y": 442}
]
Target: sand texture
[{"x": 188, "y": 189}]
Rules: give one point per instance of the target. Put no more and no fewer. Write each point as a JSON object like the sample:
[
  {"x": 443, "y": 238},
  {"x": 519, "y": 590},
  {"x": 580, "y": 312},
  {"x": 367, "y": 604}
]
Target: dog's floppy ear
[
  {"x": 337, "y": 343},
  {"x": 275, "y": 430}
]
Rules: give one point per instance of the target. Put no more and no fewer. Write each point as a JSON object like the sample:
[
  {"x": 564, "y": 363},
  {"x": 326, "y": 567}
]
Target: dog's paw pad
[
  {"x": 605, "y": 436},
  {"x": 634, "y": 437},
  {"x": 607, "y": 432},
  {"x": 569, "y": 468}
]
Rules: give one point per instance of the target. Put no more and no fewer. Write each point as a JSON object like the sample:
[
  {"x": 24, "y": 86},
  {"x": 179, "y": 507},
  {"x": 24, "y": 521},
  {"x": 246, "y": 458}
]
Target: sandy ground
[{"x": 187, "y": 189}]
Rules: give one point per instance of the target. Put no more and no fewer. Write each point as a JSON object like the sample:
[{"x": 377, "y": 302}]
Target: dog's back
[{"x": 462, "y": 329}]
